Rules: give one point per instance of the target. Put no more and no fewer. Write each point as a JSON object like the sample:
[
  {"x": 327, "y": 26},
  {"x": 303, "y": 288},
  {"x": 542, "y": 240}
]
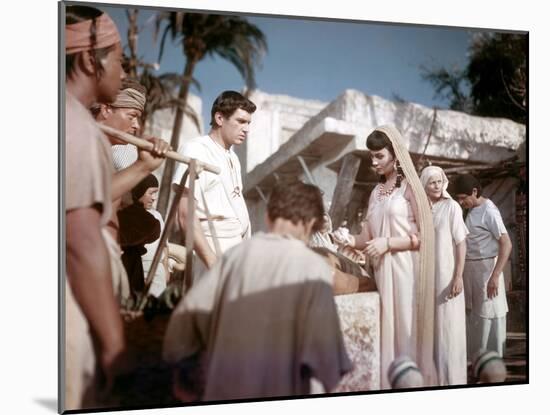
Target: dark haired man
[
  {"x": 231, "y": 117},
  {"x": 94, "y": 72},
  {"x": 262, "y": 321},
  {"x": 488, "y": 248}
]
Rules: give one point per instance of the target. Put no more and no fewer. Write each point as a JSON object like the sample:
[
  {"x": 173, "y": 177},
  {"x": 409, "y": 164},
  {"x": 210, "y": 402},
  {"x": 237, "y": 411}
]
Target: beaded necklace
[{"x": 383, "y": 193}]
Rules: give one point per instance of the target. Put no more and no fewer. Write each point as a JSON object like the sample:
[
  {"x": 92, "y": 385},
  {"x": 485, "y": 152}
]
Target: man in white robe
[
  {"x": 231, "y": 117},
  {"x": 262, "y": 322}
]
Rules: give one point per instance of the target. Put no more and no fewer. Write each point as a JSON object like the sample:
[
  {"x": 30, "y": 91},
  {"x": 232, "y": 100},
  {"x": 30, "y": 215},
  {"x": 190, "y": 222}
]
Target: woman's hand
[
  {"x": 342, "y": 236},
  {"x": 377, "y": 247}
]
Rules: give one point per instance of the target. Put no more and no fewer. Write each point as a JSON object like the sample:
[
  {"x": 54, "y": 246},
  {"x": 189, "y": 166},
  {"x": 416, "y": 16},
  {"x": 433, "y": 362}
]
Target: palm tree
[
  {"x": 160, "y": 93},
  {"x": 160, "y": 88},
  {"x": 133, "y": 30},
  {"x": 494, "y": 81},
  {"x": 230, "y": 37}
]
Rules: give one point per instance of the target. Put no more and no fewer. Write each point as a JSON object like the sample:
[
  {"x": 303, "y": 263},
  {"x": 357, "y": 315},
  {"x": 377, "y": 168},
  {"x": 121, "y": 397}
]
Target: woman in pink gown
[{"x": 398, "y": 238}]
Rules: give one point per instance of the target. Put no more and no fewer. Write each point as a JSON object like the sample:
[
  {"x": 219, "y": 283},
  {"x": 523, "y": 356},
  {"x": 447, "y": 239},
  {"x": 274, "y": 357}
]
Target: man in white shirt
[
  {"x": 488, "y": 248},
  {"x": 231, "y": 116}
]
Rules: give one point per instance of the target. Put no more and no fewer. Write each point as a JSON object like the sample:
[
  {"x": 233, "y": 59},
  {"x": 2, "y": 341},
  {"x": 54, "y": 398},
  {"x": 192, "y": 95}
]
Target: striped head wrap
[
  {"x": 129, "y": 98},
  {"x": 130, "y": 95},
  {"x": 78, "y": 36}
]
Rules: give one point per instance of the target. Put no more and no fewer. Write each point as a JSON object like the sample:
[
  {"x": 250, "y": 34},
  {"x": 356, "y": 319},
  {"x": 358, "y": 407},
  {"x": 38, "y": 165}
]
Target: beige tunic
[
  {"x": 87, "y": 183},
  {"x": 265, "y": 315},
  {"x": 89, "y": 168}
]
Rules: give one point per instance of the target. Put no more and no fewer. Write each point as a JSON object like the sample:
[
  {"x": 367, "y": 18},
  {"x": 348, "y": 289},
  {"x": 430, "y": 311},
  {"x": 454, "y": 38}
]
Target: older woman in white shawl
[{"x": 450, "y": 252}]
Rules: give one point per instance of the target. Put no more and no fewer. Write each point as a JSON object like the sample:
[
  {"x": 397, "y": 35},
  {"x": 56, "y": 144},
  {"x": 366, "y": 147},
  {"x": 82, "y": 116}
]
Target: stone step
[{"x": 510, "y": 335}]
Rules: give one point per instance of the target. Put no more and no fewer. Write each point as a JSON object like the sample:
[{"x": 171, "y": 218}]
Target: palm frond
[
  {"x": 160, "y": 17},
  {"x": 232, "y": 38},
  {"x": 162, "y": 41}
]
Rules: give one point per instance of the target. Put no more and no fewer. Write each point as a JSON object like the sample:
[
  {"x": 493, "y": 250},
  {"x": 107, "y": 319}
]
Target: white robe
[
  {"x": 450, "y": 320},
  {"x": 88, "y": 176},
  {"x": 159, "y": 281},
  {"x": 223, "y": 192}
]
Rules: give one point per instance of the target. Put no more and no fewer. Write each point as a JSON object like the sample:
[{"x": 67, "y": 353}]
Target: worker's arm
[
  {"x": 201, "y": 246},
  {"x": 504, "y": 250},
  {"x": 89, "y": 276}
]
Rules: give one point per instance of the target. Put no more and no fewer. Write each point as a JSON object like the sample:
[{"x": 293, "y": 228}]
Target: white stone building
[{"x": 325, "y": 144}]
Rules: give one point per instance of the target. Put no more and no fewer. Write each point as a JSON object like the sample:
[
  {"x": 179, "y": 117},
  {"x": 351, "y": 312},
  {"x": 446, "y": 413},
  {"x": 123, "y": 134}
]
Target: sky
[{"x": 319, "y": 59}]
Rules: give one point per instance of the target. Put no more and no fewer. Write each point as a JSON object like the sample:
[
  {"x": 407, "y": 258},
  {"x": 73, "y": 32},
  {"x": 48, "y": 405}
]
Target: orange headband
[{"x": 78, "y": 36}]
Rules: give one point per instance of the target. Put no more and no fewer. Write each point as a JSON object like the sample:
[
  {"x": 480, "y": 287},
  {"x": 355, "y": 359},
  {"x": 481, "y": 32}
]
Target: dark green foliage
[{"x": 493, "y": 84}]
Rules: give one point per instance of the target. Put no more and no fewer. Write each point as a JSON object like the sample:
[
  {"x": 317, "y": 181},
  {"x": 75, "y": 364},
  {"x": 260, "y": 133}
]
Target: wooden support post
[
  {"x": 259, "y": 190},
  {"x": 310, "y": 178},
  {"x": 344, "y": 187},
  {"x": 189, "y": 226}
]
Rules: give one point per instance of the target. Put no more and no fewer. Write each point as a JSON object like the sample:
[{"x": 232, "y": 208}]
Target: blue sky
[{"x": 318, "y": 59}]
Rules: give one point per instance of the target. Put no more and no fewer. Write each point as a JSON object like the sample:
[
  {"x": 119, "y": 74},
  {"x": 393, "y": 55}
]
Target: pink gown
[{"x": 395, "y": 274}]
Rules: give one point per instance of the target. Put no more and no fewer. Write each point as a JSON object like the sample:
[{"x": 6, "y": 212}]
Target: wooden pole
[
  {"x": 189, "y": 229},
  {"x": 163, "y": 239},
  {"x": 344, "y": 188},
  {"x": 147, "y": 145}
]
